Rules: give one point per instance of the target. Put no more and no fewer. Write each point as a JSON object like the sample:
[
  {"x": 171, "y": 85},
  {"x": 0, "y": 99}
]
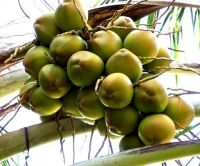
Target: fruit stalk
[
  {"x": 19, "y": 51},
  {"x": 147, "y": 155},
  {"x": 38, "y": 134}
]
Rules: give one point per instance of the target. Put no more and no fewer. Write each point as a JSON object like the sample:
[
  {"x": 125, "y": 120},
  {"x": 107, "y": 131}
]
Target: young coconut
[
  {"x": 42, "y": 104},
  {"x": 124, "y": 61},
  {"x": 63, "y": 46},
  {"x": 69, "y": 104},
  {"x": 150, "y": 97},
  {"x": 25, "y": 93},
  {"x": 49, "y": 118},
  {"x": 54, "y": 81},
  {"x": 122, "y": 26},
  {"x": 56, "y": 116},
  {"x": 89, "y": 105},
  {"x": 156, "y": 65},
  {"x": 115, "y": 91},
  {"x": 35, "y": 59},
  {"x": 71, "y": 15},
  {"x": 143, "y": 44},
  {"x": 45, "y": 28},
  {"x": 88, "y": 121},
  {"x": 130, "y": 141},
  {"x": 156, "y": 129},
  {"x": 104, "y": 43},
  {"x": 180, "y": 111},
  {"x": 103, "y": 130},
  {"x": 84, "y": 68},
  {"x": 122, "y": 121}
]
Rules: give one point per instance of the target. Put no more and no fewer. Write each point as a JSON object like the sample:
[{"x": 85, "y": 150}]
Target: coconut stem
[
  {"x": 14, "y": 55},
  {"x": 12, "y": 82},
  {"x": 147, "y": 155},
  {"x": 15, "y": 142}
]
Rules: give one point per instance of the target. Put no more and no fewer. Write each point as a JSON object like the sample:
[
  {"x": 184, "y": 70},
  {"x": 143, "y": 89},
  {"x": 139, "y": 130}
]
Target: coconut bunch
[{"x": 97, "y": 75}]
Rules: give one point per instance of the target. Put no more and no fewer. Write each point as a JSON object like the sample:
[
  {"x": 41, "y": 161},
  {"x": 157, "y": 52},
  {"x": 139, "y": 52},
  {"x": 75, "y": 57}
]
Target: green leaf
[
  {"x": 193, "y": 17},
  {"x": 167, "y": 17},
  {"x": 105, "y": 2},
  {"x": 177, "y": 29},
  {"x": 177, "y": 78},
  {"x": 151, "y": 19},
  {"x": 181, "y": 13},
  {"x": 9, "y": 161},
  {"x": 5, "y": 163},
  {"x": 198, "y": 28},
  {"x": 97, "y": 3},
  {"x": 188, "y": 129},
  {"x": 3, "y": 130},
  {"x": 137, "y": 22}
]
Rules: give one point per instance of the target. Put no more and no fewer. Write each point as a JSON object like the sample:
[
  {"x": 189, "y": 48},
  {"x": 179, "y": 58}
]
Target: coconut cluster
[{"x": 97, "y": 74}]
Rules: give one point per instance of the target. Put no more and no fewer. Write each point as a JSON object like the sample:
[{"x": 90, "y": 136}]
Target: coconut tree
[{"x": 170, "y": 21}]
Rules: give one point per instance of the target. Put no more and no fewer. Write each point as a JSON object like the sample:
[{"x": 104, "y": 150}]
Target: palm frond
[
  {"x": 167, "y": 17},
  {"x": 152, "y": 2},
  {"x": 9, "y": 162},
  {"x": 193, "y": 14},
  {"x": 97, "y": 3},
  {"x": 198, "y": 28},
  {"x": 188, "y": 129},
  {"x": 5, "y": 163},
  {"x": 151, "y": 19}
]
